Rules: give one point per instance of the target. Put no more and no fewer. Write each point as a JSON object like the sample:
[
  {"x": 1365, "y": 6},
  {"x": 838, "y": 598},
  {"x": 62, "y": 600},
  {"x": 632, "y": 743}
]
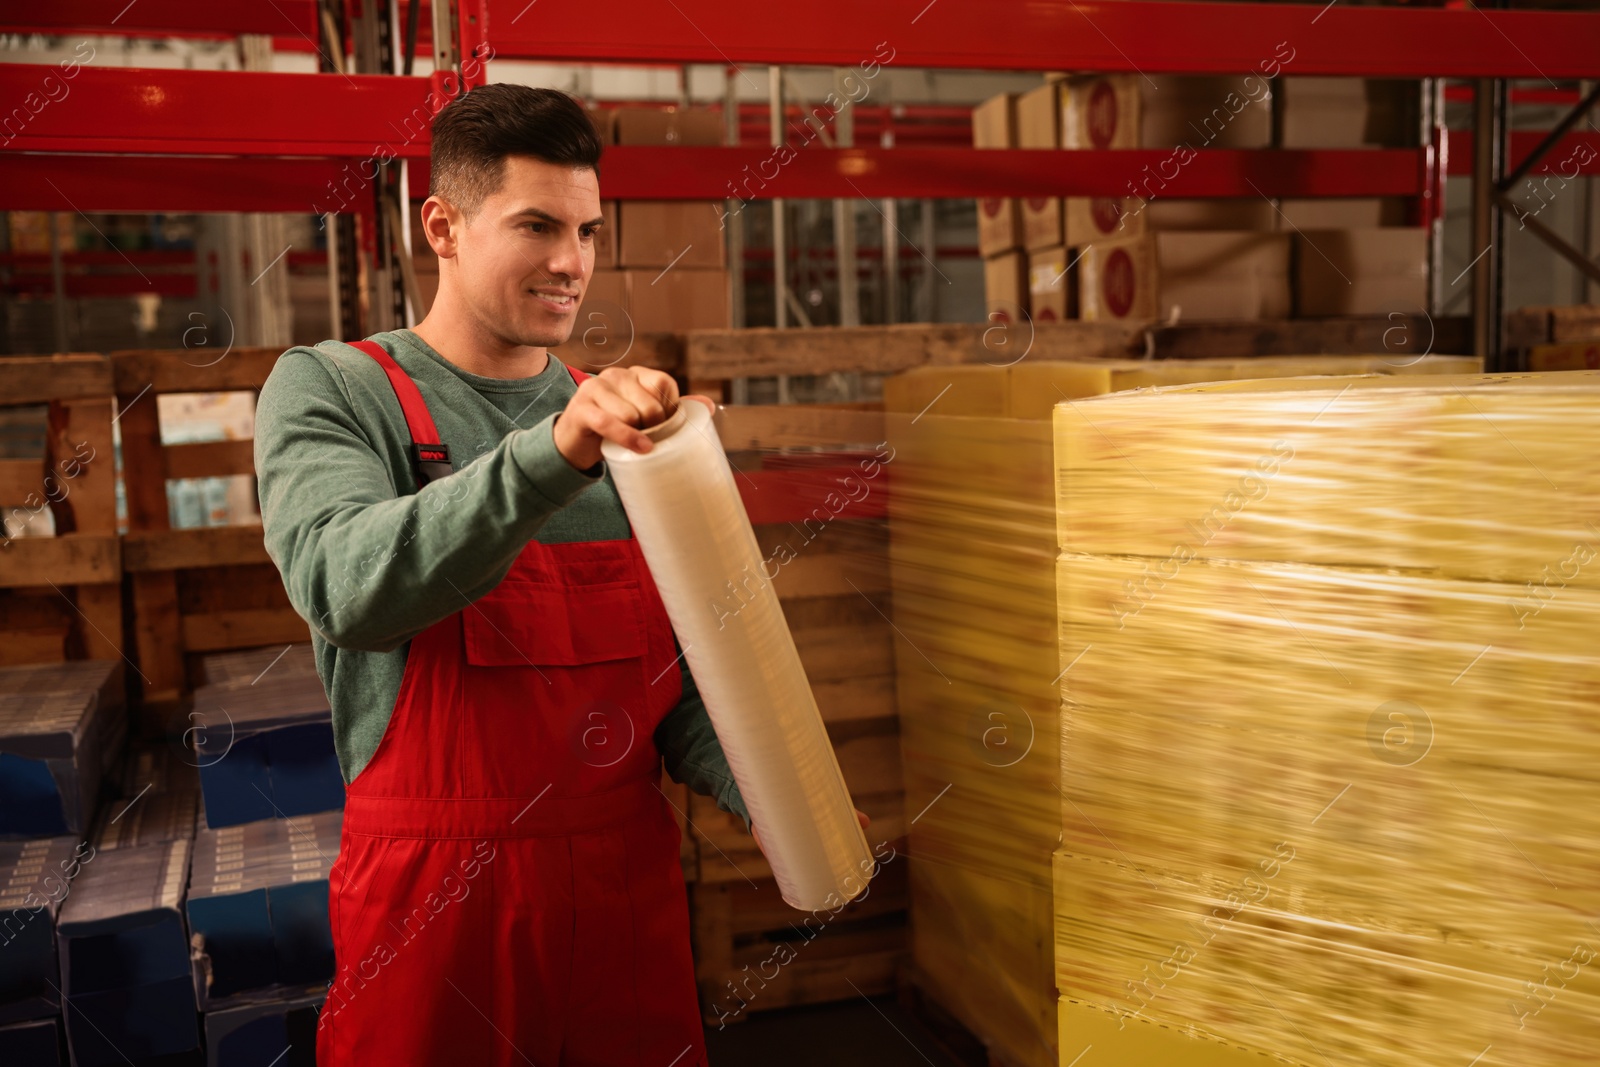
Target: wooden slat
[
  {"x": 221, "y": 630},
  {"x": 751, "y": 353},
  {"x": 837, "y": 653},
  {"x": 101, "y": 623},
  {"x": 71, "y": 559},
  {"x": 1530, "y": 326},
  {"x": 743, "y": 426},
  {"x": 597, "y": 351},
  {"x": 728, "y": 852},
  {"x": 33, "y": 646},
  {"x": 211, "y": 459},
  {"x": 1404, "y": 336},
  {"x": 760, "y": 908},
  {"x": 81, "y": 452},
  {"x": 38, "y": 379},
  {"x": 158, "y": 638},
  {"x": 214, "y": 546},
  {"x": 144, "y": 462},
  {"x": 233, "y": 587},
  {"x": 191, "y": 370},
  {"x": 741, "y": 967},
  {"x": 22, "y": 482},
  {"x": 853, "y": 700}
]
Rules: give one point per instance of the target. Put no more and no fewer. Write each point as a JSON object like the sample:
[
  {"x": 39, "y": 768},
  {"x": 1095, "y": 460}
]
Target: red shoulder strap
[
  {"x": 577, "y": 375},
  {"x": 420, "y": 422}
]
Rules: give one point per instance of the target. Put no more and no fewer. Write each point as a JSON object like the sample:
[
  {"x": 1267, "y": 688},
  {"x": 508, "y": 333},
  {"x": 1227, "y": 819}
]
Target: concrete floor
[{"x": 858, "y": 1033}]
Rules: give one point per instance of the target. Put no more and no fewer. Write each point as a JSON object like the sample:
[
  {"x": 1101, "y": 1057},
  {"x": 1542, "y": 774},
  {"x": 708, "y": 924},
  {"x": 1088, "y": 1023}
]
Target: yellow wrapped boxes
[
  {"x": 1329, "y": 744},
  {"x": 973, "y": 543}
]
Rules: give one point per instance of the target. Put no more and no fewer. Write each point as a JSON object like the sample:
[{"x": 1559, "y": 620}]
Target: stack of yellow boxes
[
  {"x": 1330, "y": 751},
  {"x": 972, "y": 554}
]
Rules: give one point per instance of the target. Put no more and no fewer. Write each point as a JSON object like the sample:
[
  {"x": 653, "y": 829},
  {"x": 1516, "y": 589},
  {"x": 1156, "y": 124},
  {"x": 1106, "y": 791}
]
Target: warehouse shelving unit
[{"x": 191, "y": 151}]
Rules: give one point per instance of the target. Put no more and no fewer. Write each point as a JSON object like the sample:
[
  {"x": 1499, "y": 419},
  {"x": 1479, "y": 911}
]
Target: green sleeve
[
  {"x": 692, "y": 754},
  {"x": 367, "y": 562}
]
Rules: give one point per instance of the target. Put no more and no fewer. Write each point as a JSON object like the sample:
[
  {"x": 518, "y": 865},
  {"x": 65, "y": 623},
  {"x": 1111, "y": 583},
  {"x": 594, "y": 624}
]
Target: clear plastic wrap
[
  {"x": 697, "y": 540},
  {"x": 1330, "y": 788},
  {"x": 973, "y": 524}
]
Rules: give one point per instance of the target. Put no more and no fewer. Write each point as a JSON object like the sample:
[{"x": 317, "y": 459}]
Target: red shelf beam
[
  {"x": 177, "y": 18},
  {"x": 1104, "y": 35}
]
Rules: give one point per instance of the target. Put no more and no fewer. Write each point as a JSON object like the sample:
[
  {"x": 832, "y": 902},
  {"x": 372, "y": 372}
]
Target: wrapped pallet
[
  {"x": 1329, "y": 787},
  {"x": 973, "y": 543}
]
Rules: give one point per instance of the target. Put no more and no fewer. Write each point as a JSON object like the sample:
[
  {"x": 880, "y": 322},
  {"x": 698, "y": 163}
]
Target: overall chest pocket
[{"x": 521, "y": 623}]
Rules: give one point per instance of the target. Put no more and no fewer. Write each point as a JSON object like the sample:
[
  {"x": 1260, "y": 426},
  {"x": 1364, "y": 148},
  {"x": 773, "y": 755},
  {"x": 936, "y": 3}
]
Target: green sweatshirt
[{"x": 370, "y": 563}]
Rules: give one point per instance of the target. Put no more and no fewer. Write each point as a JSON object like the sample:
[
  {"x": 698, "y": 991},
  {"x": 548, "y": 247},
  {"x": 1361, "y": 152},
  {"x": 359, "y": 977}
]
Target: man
[{"x": 504, "y": 680}]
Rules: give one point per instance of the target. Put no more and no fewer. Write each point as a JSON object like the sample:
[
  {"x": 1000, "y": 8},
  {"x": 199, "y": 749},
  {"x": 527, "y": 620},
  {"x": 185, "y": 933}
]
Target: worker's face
[{"x": 524, "y": 259}]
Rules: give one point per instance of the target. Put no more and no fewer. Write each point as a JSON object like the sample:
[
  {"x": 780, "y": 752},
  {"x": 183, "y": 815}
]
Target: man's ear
[{"x": 441, "y": 224}]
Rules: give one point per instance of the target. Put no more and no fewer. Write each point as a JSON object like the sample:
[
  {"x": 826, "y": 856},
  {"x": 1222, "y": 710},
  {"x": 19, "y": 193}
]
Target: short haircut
[{"x": 473, "y": 135}]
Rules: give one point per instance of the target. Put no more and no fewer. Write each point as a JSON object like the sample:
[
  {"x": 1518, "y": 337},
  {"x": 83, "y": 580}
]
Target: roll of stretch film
[{"x": 685, "y": 509}]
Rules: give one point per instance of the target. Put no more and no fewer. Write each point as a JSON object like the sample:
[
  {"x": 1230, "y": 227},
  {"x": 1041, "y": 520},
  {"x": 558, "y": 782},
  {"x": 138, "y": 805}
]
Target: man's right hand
[{"x": 612, "y": 406}]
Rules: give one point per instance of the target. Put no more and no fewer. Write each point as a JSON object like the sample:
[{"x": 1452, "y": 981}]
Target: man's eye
[
  {"x": 588, "y": 233},
  {"x": 536, "y": 227}
]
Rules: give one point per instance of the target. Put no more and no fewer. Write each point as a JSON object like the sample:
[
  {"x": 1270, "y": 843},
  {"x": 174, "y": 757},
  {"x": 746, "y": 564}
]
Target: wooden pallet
[
  {"x": 201, "y": 590},
  {"x": 952, "y": 1036},
  {"x": 754, "y": 953},
  {"x": 61, "y": 595}
]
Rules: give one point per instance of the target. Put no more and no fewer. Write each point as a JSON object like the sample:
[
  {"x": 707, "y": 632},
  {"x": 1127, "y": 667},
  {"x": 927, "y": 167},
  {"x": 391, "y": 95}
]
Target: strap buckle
[{"x": 430, "y": 462}]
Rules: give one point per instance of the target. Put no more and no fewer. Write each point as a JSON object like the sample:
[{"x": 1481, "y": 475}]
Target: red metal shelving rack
[{"x": 198, "y": 140}]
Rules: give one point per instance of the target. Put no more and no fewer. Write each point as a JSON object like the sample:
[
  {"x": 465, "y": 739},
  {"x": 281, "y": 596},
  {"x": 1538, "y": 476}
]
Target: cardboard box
[
  {"x": 1341, "y": 214},
  {"x": 607, "y": 292},
  {"x": 35, "y": 877},
  {"x": 124, "y": 954},
  {"x": 1205, "y": 112},
  {"x": 1574, "y": 355},
  {"x": 677, "y": 300},
  {"x": 604, "y": 330},
  {"x": 675, "y": 233},
  {"x": 999, "y": 226},
  {"x": 605, "y": 123},
  {"x": 662, "y": 126},
  {"x": 266, "y": 750},
  {"x": 1223, "y": 275},
  {"x": 1048, "y": 286},
  {"x": 1098, "y": 218},
  {"x": 1100, "y": 111},
  {"x": 1361, "y": 272},
  {"x": 1117, "y": 280},
  {"x": 994, "y": 125},
  {"x": 994, "y": 122},
  {"x": 60, "y": 726},
  {"x": 1229, "y": 213},
  {"x": 605, "y": 238},
  {"x": 1005, "y": 288},
  {"x": 1350, "y": 112},
  {"x": 1039, "y": 126}
]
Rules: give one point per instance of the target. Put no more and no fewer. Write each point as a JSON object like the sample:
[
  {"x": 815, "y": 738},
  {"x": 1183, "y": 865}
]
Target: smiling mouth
[{"x": 558, "y": 301}]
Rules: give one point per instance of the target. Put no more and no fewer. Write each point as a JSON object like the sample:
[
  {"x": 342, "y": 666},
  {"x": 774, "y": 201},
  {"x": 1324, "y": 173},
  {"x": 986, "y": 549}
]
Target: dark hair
[{"x": 473, "y": 135}]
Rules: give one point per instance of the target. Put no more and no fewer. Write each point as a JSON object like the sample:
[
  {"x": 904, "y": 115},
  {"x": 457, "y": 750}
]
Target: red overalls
[{"x": 508, "y": 890}]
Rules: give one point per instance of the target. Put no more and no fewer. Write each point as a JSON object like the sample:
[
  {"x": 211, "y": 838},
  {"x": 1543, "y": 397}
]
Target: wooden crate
[
  {"x": 753, "y": 952},
  {"x": 61, "y": 595},
  {"x": 199, "y": 590}
]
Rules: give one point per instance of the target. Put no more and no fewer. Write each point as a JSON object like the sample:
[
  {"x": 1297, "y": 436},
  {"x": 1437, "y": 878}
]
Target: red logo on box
[
  {"x": 1105, "y": 213},
  {"x": 1118, "y": 283},
  {"x": 1102, "y": 114},
  {"x": 1038, "y": 203},
  {"x": 991, "y": 206},
  {"x": 1045, "y": 315}
]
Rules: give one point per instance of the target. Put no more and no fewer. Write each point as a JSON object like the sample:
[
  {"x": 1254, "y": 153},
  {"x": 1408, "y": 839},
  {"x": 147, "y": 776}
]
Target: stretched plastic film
[
  {"x": 973, "y": 530},
  {"x": 1330, "y": 786},
  {"x": 697, "y": 540}
]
